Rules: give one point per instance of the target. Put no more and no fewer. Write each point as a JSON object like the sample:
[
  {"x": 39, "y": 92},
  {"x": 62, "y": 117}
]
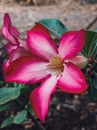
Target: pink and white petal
[
  {"x": 23, "y": 44},
  {"x": 9, "y": 47},
  {"x": 72, "y": 80},
  {"x": 14, "y": 31},
  {"x": 5, "y": 65},
  {"x": 5, "y": 32},
  {"x": 19, "y": 52},
  {"x": 80, "y": 61},
  {"x": 9, "y": 31},
  {"x": 71, "y": 43},
  {"x": 8, "y": 25},
  {"x": 40, "y": 42},
  {"x": 7, "y": 21},
  {"x": 40, "y": 97},
  {"x": 27, "y": 69}
]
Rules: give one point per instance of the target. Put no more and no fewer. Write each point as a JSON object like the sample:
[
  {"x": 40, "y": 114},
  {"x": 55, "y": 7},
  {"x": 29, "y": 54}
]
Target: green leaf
[
  {"x": 55, "y": 26},
  {"x": 20, "y": 86},
  {"x": 90, "y": 47},
  {"x": 95, "y": 53},
  {"x": 92, "y": 91},
  {"x": 20, "y": 117},
  {"x": 8, "y": 94},
  {"x": 94, "y": 79},
  {"x": 7, "y": 122},
  {"x": 2, "y": 83},
  {"x": 29, "y": 108},
  {"x": 4, "y": 107}
]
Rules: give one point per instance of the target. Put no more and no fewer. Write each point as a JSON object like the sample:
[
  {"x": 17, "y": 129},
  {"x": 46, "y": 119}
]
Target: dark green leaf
[
  {"x": 8, "y": 94},
  {"x": 92, "y": 91},
  {"x": 20, "y": 117},
  {"x": 94, "y": 80},
  {"x": 90, "y": 47},
  {"x": 30, "y": 109},
  {"x": 2, "y": 83},
  {"x": 55, "y": 26},
  {"x": 20, "y": 86},
  {"x": 95, "y": 53},
  {"x": 4, "y": 107},
  {"x": 7, "y": 122}
]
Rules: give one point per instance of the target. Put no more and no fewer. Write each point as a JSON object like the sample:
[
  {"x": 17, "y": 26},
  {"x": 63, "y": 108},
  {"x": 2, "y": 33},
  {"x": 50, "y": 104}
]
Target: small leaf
[
  {"x": 55, "y": 26},
  {"x": 4, "y": 107},
  {"x": 20, "y": 86},
  {"x": 19, "y": 118},
  {"x": 90, "y": 47},
  {"x": 8, "y": 94},
  {"x": 7, "y": 122}
]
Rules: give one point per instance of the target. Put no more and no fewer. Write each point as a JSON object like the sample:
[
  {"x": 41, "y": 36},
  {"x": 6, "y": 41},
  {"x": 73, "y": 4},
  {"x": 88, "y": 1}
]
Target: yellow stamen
[{"x": 56, "y": 65}]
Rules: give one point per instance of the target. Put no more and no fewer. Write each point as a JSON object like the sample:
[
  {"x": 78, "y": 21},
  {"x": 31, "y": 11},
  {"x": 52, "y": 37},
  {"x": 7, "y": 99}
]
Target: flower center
[{"x": 56, "y": 65}]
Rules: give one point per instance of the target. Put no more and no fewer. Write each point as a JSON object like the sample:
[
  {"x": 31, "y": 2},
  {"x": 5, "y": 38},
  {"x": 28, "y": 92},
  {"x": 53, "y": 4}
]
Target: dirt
[{"x": 66, "y": 112}]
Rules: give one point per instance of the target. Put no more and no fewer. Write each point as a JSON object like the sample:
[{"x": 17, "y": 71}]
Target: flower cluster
[{"x": 39, "y": 60}]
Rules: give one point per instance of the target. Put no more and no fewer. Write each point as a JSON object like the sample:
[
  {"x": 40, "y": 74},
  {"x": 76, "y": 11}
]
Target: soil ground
[{"x": 69, "y": 112}]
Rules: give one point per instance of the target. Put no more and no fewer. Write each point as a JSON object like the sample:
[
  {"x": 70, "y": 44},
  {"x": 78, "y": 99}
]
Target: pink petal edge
[
  {"x": 8, "y": 24},
  {"x": 71, "y": 43},
  {"x": 40, "y": 97},
  {"x": 40, "y": 42},
  {"x": 72, "y": 80},
  {"x": 28, "y": 69}
]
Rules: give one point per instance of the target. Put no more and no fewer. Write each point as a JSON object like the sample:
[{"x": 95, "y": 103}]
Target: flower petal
[
  {"x": 5, "y": 65},
  {"x": 14, "y": 31},
  {"x": 40, "y": 42},
  {"x": 9, "y": 31},
  {"x": 71, "y": 43},
  {"x": 40, "y": 97},
  {"x": 72, "y": 80},
  {"x": 7, "y": 21},
  {"x": 27, "y": 69},
  {"x": 8, "y": 36},
  {"x": 80, "y": 61},
  {"x": 19, "y": 52},
  {"x": 15, "y": 47},
  {"x": 8, "y": 24},
  {"x": 9, "y": 47}
]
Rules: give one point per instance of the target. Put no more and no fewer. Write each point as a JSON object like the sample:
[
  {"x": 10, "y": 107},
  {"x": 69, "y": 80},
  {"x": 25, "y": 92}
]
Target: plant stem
[{"x": 38, "y": 123}]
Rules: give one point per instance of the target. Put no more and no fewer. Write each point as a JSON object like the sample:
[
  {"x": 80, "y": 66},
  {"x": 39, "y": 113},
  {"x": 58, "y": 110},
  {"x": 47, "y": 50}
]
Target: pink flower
[
  {"x": 54, "y": 67},
  {"x": 15, "y": 47}
]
